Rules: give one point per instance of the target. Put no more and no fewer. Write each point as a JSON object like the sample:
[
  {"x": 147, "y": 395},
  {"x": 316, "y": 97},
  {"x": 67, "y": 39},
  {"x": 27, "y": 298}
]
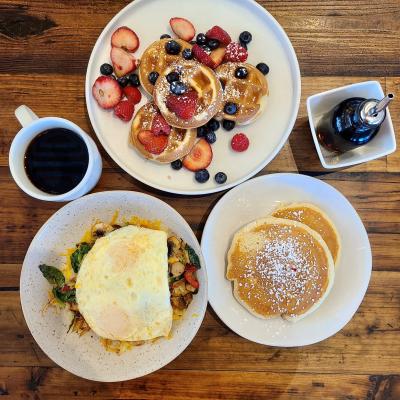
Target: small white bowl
[{"x": 383, "y": 143}]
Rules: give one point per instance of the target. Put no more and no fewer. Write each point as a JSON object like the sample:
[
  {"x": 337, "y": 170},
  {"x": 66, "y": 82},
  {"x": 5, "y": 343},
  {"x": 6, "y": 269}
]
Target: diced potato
[
  {"x": 188, "y": 298},
  {"x": 177, "y": 269},
  {"x": 178, "y": 302},
  {"x": 179, "y": 288},
  {"x": 101, "y": 229},
  {"x": 190, "y": 288}
]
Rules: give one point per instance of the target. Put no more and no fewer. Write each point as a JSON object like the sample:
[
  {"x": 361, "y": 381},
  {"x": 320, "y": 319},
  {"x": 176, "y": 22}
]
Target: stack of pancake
[{"x": 284, "y": 264}]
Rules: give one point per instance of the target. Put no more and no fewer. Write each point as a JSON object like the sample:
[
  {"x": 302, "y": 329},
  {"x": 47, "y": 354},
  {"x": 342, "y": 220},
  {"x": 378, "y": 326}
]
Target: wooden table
[{"x": 44, "y": 50}]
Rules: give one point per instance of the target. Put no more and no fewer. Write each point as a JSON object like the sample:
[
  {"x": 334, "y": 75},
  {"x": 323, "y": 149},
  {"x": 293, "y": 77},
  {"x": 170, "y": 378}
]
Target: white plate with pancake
[
  {"x": 149, "y": 19},
  {"x": 257, "y": 199},
  {"x": 85, "y": 356}
]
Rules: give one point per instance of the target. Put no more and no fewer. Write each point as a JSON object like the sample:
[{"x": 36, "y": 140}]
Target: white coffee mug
[{"x": 32, "y": 125}]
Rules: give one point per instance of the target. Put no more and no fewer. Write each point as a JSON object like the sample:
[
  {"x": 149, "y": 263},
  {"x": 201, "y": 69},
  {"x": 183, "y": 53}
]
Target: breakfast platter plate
[
  {"x": 149, "y": 19},
  {"x": 84, "y": 355},
  {"x": 256, "y": 199}
]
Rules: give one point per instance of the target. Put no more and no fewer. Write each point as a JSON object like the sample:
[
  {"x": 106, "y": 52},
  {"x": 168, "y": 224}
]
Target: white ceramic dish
[
  {"x": 383, "y": 143},
  {"x": 150, "y": 19},
  {"x": 85, "y": 356},
  {"x": 256, "y": 199}
]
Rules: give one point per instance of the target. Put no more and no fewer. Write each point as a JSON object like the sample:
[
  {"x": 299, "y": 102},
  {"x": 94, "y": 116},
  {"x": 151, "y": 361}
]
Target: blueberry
[
  {"x": 201, "y": 39},
  {"x": 245, "y": 37},
  {"x": 211, "y": 137},
  {"x": 202, "y": 131},
  {"x": 230, "y": 108},
  {"x": 134, "y": 80},
  {"x": 177, "y": 164},
  {"x": 172, "y": 77},
  {"x": 222, "y": 84},
  {"x": 178, "y": 87},
  {"x": 241, "y": 72},
  {"x": 213, "y": 44},
  {"x": 220, "y": 177},
  {"x": 228, "y": 125},
  {"x": 244, "y": 45},
  {"x": 153, "y": 76},
  {"x": 106, "y": 69},
  {"x": 206, "y": 49},
  {"x": 202, "y": 176},
  {"x": 172, "y": 47},
  {"x": 123, "y": 81},
  {"x": 263, "y": 68},
  {"x": 213, "y": 124},
  {"x": 187, "y": 54},
  {"x": 165, "y": 36}
]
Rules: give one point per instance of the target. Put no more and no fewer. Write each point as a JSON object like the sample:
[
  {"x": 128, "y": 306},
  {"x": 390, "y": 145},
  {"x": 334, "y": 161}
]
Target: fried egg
[{"x": 122, "y": 286}]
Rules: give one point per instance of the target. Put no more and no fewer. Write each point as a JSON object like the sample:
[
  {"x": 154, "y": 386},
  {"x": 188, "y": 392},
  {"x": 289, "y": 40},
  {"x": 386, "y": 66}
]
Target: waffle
[
  {"x": 197, "y": 77},
  {"x": 247, "y": 93},
  {"x": 280, "y": 267},
  {"x": 155, "y": 58},
  {"x": 180, "y": 141}
]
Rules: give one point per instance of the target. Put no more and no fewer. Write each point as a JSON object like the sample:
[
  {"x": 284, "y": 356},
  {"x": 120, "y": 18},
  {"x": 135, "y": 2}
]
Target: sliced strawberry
[
  {"x": 124, "y": 110},
  {"x": 235, "y": 52},
  {"x": 182, "y": 28},
  {"x": 199, "y": 157},
  {"x": 217, "y": 56},
  {"x": 107, "y": 92},
  {"x": 202, "y": 56},
  {"x": 216, "y": 32},
  {"x": 123, "y": 62},
  {"x": 125, "y": 38},
  {"x": 184, "y": 105},
  {"x": 133, "y": 94},
  {"x": 154, "y": 144},
  {"x": 160, "y": 126}
]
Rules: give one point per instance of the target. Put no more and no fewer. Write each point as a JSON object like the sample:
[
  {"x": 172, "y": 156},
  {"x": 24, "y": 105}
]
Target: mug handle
[{"x": 25, "y": 115}]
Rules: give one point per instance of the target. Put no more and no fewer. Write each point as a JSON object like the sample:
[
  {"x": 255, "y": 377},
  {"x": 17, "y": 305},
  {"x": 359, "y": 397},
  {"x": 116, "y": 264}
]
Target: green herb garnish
[
  {"x": 65, "y": 296},
  {"x": 193, "y": 257},
  {"x": 78, "y": 255},
  {"x": 52, "y": 274}
]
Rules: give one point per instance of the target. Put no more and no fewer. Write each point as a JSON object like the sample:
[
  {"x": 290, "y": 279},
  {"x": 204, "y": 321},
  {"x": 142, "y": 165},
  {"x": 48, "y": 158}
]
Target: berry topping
[
  {"x": 160, "y": 126},
  {"x": 172, "y": 77},
  {"x": 133, "y": 94},
  {"x": 178, "y": 87},
  {"x": 187, "y": 54},
  {"x": 228, "y": 125},
  {"x": 106, "y": 69},
  {"x": 199, "y": 157},
  {"x": 165, "y": 36},
  {"x": 245, "y": 37},
  {"x": 184, "y": 106},
  {"x": 106, "y": 91},
  {"x": 172, "y": 47},
  {"x": 202, "y": 131},
  {"x": 240, "y": 142},
  {"x": 153, "y": 76},
  {"x": 213, "y": 44},
  {"x": 201, "y": 39},
  {"x": 123, "y": 62},
  {"x": 125, "y": 38},
  {"x": 154, "y": 144},
  {"x": 211, "y": 137},
  {"x": 134, "y": 80},
  {"x": 241, "y": 72},
  {"x": 124, "y": 110},
  {"x": 177, "y": 164},
  {"x": 202, "y": 56},
  {"x": 230, "y": 108},
  {"x": 216, "y": 32},
  {"x": 183, "y": 28},
  {"x": 263, "y": 68},
  {"x": 206, "y": 49},
  {"x": 202, "y": 176},
  {"x": 235, "y": 52},
  {"x": 213, "y": 124},
  {"x": 220, "y": 177},
  {"x": 122, "y": 81}
]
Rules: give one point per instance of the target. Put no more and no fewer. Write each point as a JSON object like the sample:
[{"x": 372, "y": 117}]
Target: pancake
[
  {"x": 279, "y": 267},
  {"x": 316, "y": 219},
  {"x": 122, "y": 286}
]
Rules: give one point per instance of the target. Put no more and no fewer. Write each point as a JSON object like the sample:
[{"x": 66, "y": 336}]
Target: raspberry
[{"x": 240, "y": 142}]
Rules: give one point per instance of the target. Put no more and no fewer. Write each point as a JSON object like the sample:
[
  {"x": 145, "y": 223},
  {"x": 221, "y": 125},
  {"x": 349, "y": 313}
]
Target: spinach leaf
[
  {"x": 77, "y": 256},
  {"x": 52, "y": 274},
  {"x": 193, "y": 257},
  {"x": 65, "y": 296}
]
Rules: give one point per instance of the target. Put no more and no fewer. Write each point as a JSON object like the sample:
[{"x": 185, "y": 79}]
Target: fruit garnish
[
  {"x": 182, "y": 28},
  {"x": 160, "y": 126},
  {"x": 173, "y": 47},
  {"x": 107, "y": 92},
  {"x": 245, "y": 37},
  {"x": 202, "y": 56},
  {"x": 199, "y": 157},
  {"x": 240, "y": 142},
  {"x": 263, "y": 68},
  {"x": 154, "y": 144},
  {"x": 216, "y": 32},
  {"x": 184, "y": 105},
  {"x": 133, "y": 94},
  {"x": 125, "y": 38},
  {"x": 123, "y": 62},
  {"x": 217, "y": 56},
  {"x": 124, "y": 110},
  {"x": 220, "y": 178},
  {"x": 201, "y": 39},
  {"x": 235, "y": 52},
  {"x": 106, "y": 69}
]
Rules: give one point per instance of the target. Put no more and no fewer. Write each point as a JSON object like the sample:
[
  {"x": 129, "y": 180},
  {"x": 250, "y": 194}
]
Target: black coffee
[{"x": 56, "y": 160}]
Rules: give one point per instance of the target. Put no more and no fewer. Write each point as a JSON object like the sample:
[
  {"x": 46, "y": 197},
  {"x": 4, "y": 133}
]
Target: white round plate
[
  {"x": 85, "y": 356},
  {"x": 256, "y": 199},
  {"x": 149, "y": 19}
]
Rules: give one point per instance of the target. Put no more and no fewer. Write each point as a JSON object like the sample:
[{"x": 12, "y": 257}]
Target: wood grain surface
[{"x": 44, "y": 50}]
